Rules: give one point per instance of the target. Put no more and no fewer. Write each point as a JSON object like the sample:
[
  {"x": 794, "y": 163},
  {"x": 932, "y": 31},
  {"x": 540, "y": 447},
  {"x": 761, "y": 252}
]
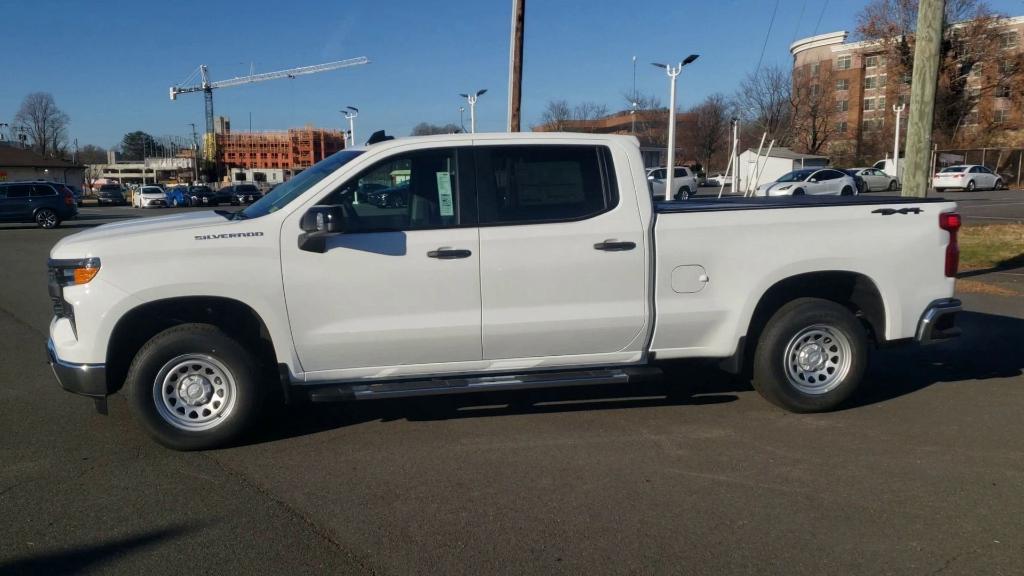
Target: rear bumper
[
  {"x": 939, "y": 321},
  {"x": 85, "y": 379}
]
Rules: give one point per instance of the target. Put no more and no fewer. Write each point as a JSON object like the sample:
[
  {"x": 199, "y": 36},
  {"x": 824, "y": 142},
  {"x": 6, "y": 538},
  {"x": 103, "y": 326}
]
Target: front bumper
[
  {"x": 85, "y": 379},
  {"x": 939, "y": 321}
]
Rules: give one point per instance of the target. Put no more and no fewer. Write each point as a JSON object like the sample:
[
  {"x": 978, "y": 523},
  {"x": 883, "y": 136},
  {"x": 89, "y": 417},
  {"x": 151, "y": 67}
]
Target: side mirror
[{"x": 317, "y": 224}]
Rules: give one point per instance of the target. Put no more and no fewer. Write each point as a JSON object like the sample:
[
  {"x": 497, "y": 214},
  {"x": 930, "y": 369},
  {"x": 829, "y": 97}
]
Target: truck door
[
  {"x": 400, "y": 286},
  {"x": 563, "y": 257}
]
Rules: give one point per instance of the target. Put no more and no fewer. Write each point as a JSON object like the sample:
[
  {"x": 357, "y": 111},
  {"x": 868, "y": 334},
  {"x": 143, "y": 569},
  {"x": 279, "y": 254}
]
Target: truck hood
[{"x": 83, "y": 243}]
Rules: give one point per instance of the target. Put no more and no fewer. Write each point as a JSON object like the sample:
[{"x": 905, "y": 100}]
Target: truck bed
[{"x": 711, "y": 204}]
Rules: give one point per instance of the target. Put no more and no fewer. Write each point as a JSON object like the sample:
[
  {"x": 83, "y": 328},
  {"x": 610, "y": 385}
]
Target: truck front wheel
[
  {"x": 811, "y": 356},
  {"x": 193, "y": 387}
]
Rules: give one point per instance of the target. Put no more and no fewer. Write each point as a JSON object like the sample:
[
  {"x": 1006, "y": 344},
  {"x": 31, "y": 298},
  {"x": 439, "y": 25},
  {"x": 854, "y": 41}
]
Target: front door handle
[
  {"x": 449, "y": 253},
  {"x": 614, "y": 246}
]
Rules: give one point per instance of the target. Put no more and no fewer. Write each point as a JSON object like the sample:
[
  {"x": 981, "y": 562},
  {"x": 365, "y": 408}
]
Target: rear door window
[
  {"x": 541, "y": 183},
  {"x": 19, "y": 191}
]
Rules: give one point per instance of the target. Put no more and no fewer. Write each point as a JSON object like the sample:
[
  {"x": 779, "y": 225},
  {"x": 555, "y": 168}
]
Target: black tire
[
  {"x": 846, "y": 191},
  {"x": 893, "y": 185},
  {"x": 772, "y": 369},
  {"x": 798, "y": 192},
  {"x": 46, "y": 218},
  {"x": 998, "y": 185},
  {"x": 683, "y": 193},
  {"x": 971, "y": 186},
  {"x": 153, "y": 366}
]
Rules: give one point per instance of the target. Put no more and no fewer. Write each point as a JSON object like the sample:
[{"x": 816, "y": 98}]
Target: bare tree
[
  {"x": 650, "y": 118},
  {"x": 589, "y": 111},
  {"x": 426, "y": 128},
  {"x": 556, "y": 115},
  {"x": 711, "y": 124},
  {"x": 44, "y": 123},
  {"x": 814, "y": 109},
  {"x": 92, "y": 154},
  {"x": 973, "y": 65},
  {"x": 764, "y": 100}
]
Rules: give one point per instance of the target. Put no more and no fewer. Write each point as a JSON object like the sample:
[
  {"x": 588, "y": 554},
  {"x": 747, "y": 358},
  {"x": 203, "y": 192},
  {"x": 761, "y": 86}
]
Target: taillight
[
  {"x": 69, "y": 198},
  {"x": 950, "y": 222}
]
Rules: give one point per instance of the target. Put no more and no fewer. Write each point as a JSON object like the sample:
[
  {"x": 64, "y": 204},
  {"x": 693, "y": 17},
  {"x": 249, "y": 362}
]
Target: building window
[
  {"x": 841, "y": 127},
  {"x": 907, "y": 79},
  {"x": 972, "y": 118},
  {"x": 903, "y": 99},
  {"x": 872, "y": 123},
  {"x": 873, "y": 61},
  {"x": 815, "y": 68},
  {"x": 1001, "y": 116},
  {"x": 1003, "y": 91},
  {"x": 844, "y": 62},
  {"x": 1008, "y": 40},
  {"x": 1007, "y": 68},
  {"x": 871, "y": 82},
  {"x": 869, "y": 104},
  {"x": 815, "y": 90},
  {"x": 881, "y": 102},
  {"x": 842, "y": 105},
  {"x": 842, "y": 84}
]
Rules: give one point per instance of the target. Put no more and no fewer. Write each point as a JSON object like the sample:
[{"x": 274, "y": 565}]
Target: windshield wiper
[{"x": 240, "y": 215}]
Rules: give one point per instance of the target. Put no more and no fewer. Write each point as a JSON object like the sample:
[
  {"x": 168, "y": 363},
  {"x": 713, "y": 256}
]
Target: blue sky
[{"x": 109, "y": 64}]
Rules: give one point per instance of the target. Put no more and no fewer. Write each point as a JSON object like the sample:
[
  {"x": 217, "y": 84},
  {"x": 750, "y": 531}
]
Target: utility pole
[
  {"x": 896, "y": 145},
  {"x": 515, "y": 65},
  {"x": 922, "y": 97}
]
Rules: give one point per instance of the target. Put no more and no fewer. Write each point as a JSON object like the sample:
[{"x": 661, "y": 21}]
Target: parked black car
[
  {"x": 202, "y": 196},
  {"x": 243, "y": 194},
  {"x": 45, "y": 203},
  {"x": 111, "y": 194}
]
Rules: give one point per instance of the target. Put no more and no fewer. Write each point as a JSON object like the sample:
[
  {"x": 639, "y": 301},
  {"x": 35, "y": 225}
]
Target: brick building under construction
[{"x": 288, "y": 150}]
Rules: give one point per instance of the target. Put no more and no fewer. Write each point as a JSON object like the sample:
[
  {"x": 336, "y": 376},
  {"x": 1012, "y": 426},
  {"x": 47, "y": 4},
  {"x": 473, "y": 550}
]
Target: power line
[
  {"x": 766, "y": 36},
  {"x": 799, "y": 20},
  {"x": 824, "y": 6}
]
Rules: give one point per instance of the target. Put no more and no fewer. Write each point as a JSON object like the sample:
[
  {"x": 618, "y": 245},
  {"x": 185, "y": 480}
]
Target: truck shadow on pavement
[
  {"x": 75, "y": 560},
  {"x": 992, "y": 346}
]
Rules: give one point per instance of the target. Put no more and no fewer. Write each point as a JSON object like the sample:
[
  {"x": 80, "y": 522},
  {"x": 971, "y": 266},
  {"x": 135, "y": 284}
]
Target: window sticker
[{"x": 444, "y": 193}]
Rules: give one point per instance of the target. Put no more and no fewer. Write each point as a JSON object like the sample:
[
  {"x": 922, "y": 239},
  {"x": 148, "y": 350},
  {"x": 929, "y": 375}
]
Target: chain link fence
[{"x": 1007, "y": 162}]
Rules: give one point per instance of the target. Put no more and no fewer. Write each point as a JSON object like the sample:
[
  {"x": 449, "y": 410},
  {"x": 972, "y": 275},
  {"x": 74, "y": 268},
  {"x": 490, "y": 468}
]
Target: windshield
[
  {"x": 152, "y": 190},
  {"x": 796, "y": 176},
  {"x": 955, "y": 169},
  {"x": 292, "y": 189}
]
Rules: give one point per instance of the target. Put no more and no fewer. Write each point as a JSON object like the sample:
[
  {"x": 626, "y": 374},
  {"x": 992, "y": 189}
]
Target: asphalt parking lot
[{"x": 923, "y": 473}]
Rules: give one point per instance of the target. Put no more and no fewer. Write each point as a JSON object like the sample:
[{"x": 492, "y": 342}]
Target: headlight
[
  {"x": 786, "y": 187},
  {"x": 75, "y": 272}
]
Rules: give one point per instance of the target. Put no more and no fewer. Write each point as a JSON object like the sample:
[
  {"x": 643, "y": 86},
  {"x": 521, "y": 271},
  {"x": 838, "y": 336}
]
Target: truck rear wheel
[
  {"x": 811, "y": 356},
  {"x": 193, "y": 387}
]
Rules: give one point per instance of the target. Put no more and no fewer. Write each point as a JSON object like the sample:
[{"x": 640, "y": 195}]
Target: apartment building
[
  {"x": 291, "y": 150},
  {"x": 861, "y": 87}
]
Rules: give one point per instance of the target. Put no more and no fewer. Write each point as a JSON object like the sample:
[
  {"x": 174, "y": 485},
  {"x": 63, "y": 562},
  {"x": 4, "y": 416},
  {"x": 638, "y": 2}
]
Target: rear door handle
[
  {"x": 449, "y": 253},
  {"x": 614, "y": 246}
]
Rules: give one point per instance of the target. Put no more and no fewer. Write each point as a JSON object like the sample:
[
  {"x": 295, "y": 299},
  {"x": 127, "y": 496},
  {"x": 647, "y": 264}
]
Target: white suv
[{"x": 684, "y": 180}]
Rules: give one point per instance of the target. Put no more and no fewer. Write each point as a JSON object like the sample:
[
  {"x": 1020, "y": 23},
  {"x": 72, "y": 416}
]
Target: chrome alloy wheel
[
  {"x": 194, "y": 392},
  {"x": 817, "y": 359}
]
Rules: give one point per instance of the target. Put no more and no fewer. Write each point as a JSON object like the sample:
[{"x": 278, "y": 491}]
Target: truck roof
[{"x": 505, "y": 137}]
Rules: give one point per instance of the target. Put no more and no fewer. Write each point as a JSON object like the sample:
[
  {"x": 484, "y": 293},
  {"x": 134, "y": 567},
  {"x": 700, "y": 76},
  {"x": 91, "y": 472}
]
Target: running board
[{"x": 437, "y": 387}]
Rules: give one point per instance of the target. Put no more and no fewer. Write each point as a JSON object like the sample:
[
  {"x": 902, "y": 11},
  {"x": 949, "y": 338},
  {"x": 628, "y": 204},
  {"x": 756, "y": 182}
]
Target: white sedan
[
  {"x": 875, "y": 179},
  {"x": 149, "y": 197},
  {"x": 810, "y": 182},
  {"x": 968, "y": 177}
]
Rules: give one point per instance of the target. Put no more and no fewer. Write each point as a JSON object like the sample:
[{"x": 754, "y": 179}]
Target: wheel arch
[
  {"x": 140, "y": 324},
  {"x": 852, "y": 290}
]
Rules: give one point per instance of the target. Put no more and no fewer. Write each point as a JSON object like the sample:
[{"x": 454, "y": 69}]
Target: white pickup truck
[{"x": 462, "y": 263}]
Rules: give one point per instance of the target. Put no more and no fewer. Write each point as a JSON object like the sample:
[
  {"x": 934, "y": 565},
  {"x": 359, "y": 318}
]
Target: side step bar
[{"x": 436, "y": 387}]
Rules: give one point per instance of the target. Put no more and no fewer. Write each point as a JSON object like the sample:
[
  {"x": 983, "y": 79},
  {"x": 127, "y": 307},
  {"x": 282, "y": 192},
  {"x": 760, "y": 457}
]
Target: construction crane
[{"x": 207, "y": 87}]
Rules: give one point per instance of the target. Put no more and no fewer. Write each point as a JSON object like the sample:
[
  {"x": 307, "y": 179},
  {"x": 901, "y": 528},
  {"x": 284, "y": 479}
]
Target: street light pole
[
  {"x": 350, "y": 113},
  {"x": 471, "y": 98},
  {"x": 896, "y": 145},
  {"x": 672, "y": 72},
  {"x": 632, "y": 101},
  {"x": 462, "y": 123}
]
